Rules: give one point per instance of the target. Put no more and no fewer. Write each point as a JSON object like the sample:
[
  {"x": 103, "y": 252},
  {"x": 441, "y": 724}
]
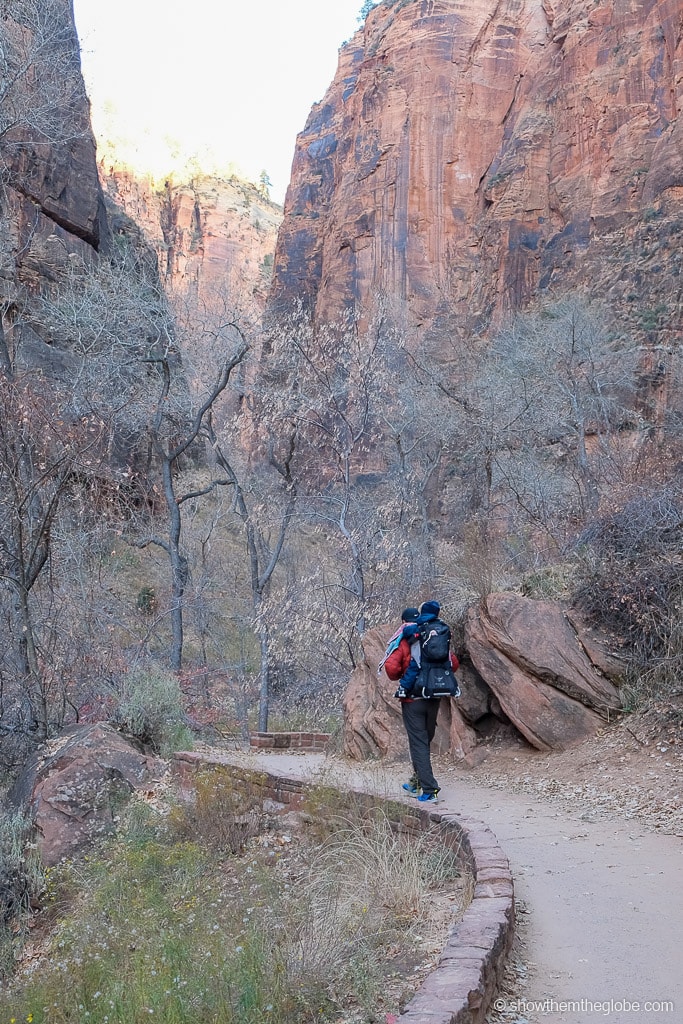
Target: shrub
[
  {"x": 224, "y": 814},
  {"x": 21, "y": 881},
  {"x": 551, "y": 583},
  {"x": 391, "y": 870},
  {"x": 151, "y": 709},
  {"x": 632, "y": 588}
]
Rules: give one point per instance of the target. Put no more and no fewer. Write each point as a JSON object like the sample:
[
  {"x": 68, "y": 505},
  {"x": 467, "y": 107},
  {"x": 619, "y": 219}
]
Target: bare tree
[
  {"x": 536, "y": 417},
  {"x": 364, "y": 458},
  {"x": 568, "y": 380},
  {"x": 334, "y": 375},
  {"x": 171, "y": 442},
  {"x": 62, "y": 426},
  {"x": 265, "y": 529},
  {"x": 42, "y": 446}
]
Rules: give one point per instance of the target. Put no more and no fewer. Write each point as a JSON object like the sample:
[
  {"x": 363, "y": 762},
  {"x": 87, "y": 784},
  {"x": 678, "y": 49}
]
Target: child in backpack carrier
[
  {"x": 412, "y": 631},
  {"x": 407, "y": 615}
]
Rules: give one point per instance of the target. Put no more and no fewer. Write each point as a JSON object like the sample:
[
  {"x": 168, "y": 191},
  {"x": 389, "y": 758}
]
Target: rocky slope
[{"x": 468, "y": 155}]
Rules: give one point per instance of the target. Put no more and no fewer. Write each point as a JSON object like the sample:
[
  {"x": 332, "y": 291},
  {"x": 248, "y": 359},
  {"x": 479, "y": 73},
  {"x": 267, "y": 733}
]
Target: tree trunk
[
  {"x": 264, "y": 688},
  {"x": 179, "y": 567},
  {"x": 33, "y": 681}
]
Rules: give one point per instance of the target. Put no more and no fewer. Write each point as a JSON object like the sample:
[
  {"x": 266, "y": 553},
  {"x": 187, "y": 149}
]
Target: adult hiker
[{"x": 425, "y": 667}]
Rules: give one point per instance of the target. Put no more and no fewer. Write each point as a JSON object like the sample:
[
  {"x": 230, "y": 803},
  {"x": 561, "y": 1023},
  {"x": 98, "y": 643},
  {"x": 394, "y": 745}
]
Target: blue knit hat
[{"x": 430, "y": 608}]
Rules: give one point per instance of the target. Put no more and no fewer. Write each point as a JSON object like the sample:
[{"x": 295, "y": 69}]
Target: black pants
[{"x": 419, "y": 719}]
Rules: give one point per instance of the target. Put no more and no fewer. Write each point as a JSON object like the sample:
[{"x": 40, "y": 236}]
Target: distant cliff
[
  {"x": 211, "y": 236},
  {"x": 470, "y": 154}
]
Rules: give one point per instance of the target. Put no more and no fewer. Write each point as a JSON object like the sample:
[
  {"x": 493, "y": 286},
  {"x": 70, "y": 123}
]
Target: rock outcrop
[
  {"x": 468, "y": 156},
  {"x": 532, "y": 659},
  {"x": 529, "y": 664},
  {"x": 52, "y": 202},
  {"x": 75, "y": 787},
  {"x": 214, "y": 238}
]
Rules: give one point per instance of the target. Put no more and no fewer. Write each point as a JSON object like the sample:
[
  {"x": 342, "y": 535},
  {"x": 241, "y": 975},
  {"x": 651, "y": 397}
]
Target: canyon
[{"x": 466, "y": 159}]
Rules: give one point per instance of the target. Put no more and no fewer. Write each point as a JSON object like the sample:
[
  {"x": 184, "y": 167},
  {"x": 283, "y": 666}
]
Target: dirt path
[
  {"x": 604, "y": 909},
  {"x": 601, "y": 901}
]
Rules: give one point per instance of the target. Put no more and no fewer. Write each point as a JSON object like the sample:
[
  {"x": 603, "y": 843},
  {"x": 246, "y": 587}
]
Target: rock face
[
  {"x": 532, "y": 659},
  {"x": 53, "y": 201},
  {"x": 76, "y": 786},
  {"x": 212, "y": 237},
  {"x": 468, "y": 155}
]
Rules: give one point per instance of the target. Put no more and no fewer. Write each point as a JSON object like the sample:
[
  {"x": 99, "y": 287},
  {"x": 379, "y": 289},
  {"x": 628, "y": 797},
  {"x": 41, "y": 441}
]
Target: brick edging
[{"x": 470, "y": 969}]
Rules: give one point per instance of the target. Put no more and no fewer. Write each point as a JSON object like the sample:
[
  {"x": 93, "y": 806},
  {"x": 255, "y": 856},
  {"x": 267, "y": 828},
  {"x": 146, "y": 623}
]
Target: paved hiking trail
[{"x": 600, "y": 902}]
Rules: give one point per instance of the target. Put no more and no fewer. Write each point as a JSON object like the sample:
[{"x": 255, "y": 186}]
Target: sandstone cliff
[
  {"x": 51, "y": 198},
  {"x": 212, "y": 236},
  {"x": 468, "y": 155}
]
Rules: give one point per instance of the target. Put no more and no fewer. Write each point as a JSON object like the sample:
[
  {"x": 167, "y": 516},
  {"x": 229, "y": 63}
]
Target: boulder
[
  {"x": 373, "y": 726},
  {"x": 530, "y": 656},
  {"x": 75, "y": 785},
  {"x": 476, "y": 699},
  {"x": 372, "y": 716}
]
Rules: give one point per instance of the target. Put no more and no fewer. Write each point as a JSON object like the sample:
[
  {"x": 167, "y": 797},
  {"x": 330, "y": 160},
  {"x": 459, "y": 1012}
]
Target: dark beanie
[
  {"x": 430, "y": 608},
  {"x": 409, "y": 615}
]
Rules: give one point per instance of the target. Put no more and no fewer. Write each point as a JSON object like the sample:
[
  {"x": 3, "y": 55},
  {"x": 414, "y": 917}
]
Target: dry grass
[{"x": 220, "y": 911}]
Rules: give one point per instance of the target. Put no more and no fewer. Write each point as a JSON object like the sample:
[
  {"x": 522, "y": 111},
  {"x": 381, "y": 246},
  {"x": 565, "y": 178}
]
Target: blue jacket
[{"x": 410, "y": 633}]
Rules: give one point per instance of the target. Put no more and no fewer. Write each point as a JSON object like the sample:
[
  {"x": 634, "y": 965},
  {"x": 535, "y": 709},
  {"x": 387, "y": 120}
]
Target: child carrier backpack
[
  {"x": 392, "y": 645},
  {"x": 436, "y": 677}
]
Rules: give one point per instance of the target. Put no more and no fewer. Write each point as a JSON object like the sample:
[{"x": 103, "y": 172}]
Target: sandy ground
[{"x": 597, "y": 864}]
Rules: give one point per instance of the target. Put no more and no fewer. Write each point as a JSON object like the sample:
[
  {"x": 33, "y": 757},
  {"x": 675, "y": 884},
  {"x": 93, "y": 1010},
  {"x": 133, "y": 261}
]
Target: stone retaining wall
[
  {"x": 461, "y": 988},
  {"x": 289, "y": 740}
]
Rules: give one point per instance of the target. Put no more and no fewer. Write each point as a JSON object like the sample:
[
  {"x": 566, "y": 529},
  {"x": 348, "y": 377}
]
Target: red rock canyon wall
[{"x": 471, "y": 153}]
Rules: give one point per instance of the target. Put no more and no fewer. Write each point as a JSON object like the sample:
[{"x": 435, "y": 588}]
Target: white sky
[{"x": 228, "y": 82}]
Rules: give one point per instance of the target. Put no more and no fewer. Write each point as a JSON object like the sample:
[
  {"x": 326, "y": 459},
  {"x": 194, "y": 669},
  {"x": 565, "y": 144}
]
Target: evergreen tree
[{"x": 365, "y": 10}]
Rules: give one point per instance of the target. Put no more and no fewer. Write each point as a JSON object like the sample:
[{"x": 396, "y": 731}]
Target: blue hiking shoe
[
  {"x": 412, "y": 789},
  {"x": 430, "y": 798}
]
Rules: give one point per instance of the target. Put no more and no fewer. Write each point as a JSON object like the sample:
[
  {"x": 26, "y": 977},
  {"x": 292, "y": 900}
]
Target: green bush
[{"x": 151, "y": 709}]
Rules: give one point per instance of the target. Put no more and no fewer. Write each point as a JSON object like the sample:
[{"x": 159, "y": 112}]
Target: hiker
[
  {"x": 409, "y": 664},
  {"x": 407, "y": 615}
]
